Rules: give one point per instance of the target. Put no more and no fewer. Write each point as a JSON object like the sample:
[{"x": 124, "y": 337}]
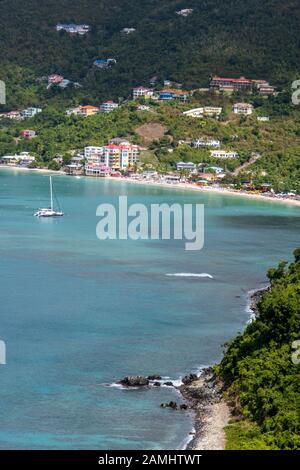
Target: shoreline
[
  {"x": 178, "y": 186},
  {"x": 205, "y": 397},
  {"x": 220, "y": 191}
]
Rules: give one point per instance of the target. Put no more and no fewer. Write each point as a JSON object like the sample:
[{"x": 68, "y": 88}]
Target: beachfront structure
[
  {"x": 30, "y": 112},
  {"x": 73, "y": 28},
  {"x": 185, "y": 166},
  {"x": 98, "y": 170},
  {"x": 104, "y": 63},
  {"x": 115, "y": 156},
  {"x": 243, "y": 108},
  {"x": 141, "y": 92},
  {"x": 108, "y": 106},
  {"x": 223, "y": 154},
  {"x": 173, "y": 94},
  {"x": 28, "y": 134},
  {"x": 74, "y": 169},
  {"x": 23, "y": 159},
  {"x": 234, "y": 84},
  {"x": 206, "y": 142},
  {"x": 185, "y": 12},
  {"x": 171, "y": 179},
  {"x": 206, "y": 111}
]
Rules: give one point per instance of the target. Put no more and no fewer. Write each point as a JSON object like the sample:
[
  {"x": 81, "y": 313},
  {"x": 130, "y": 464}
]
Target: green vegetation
[
  {"x": 261, "y": 379},
  {"x": 258, "y": 40}
]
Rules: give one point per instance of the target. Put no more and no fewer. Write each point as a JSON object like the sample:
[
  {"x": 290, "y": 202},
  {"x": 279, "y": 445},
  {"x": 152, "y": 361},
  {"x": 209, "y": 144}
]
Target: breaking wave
[{"x": 203, "y": 275}]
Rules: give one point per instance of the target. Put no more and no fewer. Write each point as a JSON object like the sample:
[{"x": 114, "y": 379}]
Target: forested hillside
[
  {"x": 259, "y": 370},
  {"x": 257, "y": 39}
]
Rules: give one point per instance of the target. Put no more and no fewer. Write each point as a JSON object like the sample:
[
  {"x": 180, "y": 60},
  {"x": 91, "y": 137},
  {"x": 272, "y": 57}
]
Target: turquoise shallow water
[{"x": 77, "y": 313}]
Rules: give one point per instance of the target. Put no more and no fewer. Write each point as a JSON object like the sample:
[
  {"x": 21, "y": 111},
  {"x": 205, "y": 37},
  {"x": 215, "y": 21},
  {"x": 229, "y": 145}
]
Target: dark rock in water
[
  {"x": 169, "y": 384},
  {"x": 183, "y": 406},
  {"x": 171, "y": 404},
  {"x": 134, "y": 381},
  {"x": 154, "y": 377},
  {"x": 190, "y": 378},
  {"x": 156, "y": 384}
]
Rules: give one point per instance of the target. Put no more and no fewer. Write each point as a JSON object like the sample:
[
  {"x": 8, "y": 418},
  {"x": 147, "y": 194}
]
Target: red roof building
[
  {"x": 241, "y": 83},
  {"x": 28, "y": 134}
]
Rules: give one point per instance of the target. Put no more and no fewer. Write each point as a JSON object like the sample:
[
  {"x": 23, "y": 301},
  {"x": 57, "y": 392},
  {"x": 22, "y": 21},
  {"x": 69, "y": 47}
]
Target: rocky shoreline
[{"x": 202, "y": 394}]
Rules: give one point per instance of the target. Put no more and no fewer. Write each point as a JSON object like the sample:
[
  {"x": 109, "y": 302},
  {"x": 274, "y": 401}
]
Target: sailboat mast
[{"x": 51, "y": 194}]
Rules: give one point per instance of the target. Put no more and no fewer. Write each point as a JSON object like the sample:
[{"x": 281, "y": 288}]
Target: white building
[
  {"x": 72, "y": 28},
  {"x": 206, "y": 111},
  {"x": 128, "y": 30},
  {"x": 185, "y": 12},
  {"x": 141, "y": 92},
  {"x": 112, "y": 156},
  {"x": 206, "y": 142},
  {"x": 188, "y": 166},
  {"x": 263, "y": 118},
  {"x": 243, "y": 108},
  {"x": 30, "y": 112},
  {"x": 218, "y": 170},
  {"x": 223, "y": 154},
  {"x": 108, "y": 106}
]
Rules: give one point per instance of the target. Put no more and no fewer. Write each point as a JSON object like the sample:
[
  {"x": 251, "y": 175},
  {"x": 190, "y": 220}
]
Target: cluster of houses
[
  {"x": 116, "y": 156},
  {"x": 73, "y": 29},
  {"x": 90, "y": 110},
  {"x": 245, "y": 109},
  {"x": 166, "y": 94},
  {"x": 231, "y": 85},
  {"x": 24, "y": 159},
  {"x": 21, "y": 115}
]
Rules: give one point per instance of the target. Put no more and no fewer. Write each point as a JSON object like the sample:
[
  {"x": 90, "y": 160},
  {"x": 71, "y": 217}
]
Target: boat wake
[{"x": 200, "y": 275}]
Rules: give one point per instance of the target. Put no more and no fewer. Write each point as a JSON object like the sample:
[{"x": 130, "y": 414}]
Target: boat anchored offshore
[{"x": 49, "y": 212}]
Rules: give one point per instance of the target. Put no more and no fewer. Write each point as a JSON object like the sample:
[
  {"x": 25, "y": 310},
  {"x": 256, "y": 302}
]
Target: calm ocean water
[{"x": 77, "y": 313}]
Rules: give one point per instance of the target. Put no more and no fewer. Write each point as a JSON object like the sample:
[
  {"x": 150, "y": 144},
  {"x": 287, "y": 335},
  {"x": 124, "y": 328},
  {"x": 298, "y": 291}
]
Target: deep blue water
[{"x": 77, "y": 313}]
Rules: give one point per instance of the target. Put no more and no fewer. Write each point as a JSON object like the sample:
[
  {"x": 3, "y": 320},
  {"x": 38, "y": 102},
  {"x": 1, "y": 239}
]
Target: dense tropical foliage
[{"x": 261, "y": 378}]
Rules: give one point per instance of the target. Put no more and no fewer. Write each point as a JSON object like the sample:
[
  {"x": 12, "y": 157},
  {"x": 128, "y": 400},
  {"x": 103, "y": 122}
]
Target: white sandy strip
[
  {"x": 213, "y": 435},
  {"x": 224, "y": 191}
]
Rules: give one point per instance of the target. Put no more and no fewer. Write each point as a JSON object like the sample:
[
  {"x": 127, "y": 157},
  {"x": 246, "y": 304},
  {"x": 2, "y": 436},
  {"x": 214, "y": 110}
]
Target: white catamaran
[{"x": 49, "y": 212}]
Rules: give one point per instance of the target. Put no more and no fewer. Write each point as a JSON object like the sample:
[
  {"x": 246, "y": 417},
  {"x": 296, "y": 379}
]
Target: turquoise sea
[{"x": 78, "y": 313}]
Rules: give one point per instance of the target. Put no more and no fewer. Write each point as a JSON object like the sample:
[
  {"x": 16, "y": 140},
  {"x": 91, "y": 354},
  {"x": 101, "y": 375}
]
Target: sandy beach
[
  {"x": 213, "y": 190},
  {"x": 177, "y": 186}
]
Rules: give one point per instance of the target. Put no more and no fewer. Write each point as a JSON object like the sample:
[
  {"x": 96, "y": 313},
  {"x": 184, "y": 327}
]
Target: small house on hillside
[{"x": 28, "y": 134}]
